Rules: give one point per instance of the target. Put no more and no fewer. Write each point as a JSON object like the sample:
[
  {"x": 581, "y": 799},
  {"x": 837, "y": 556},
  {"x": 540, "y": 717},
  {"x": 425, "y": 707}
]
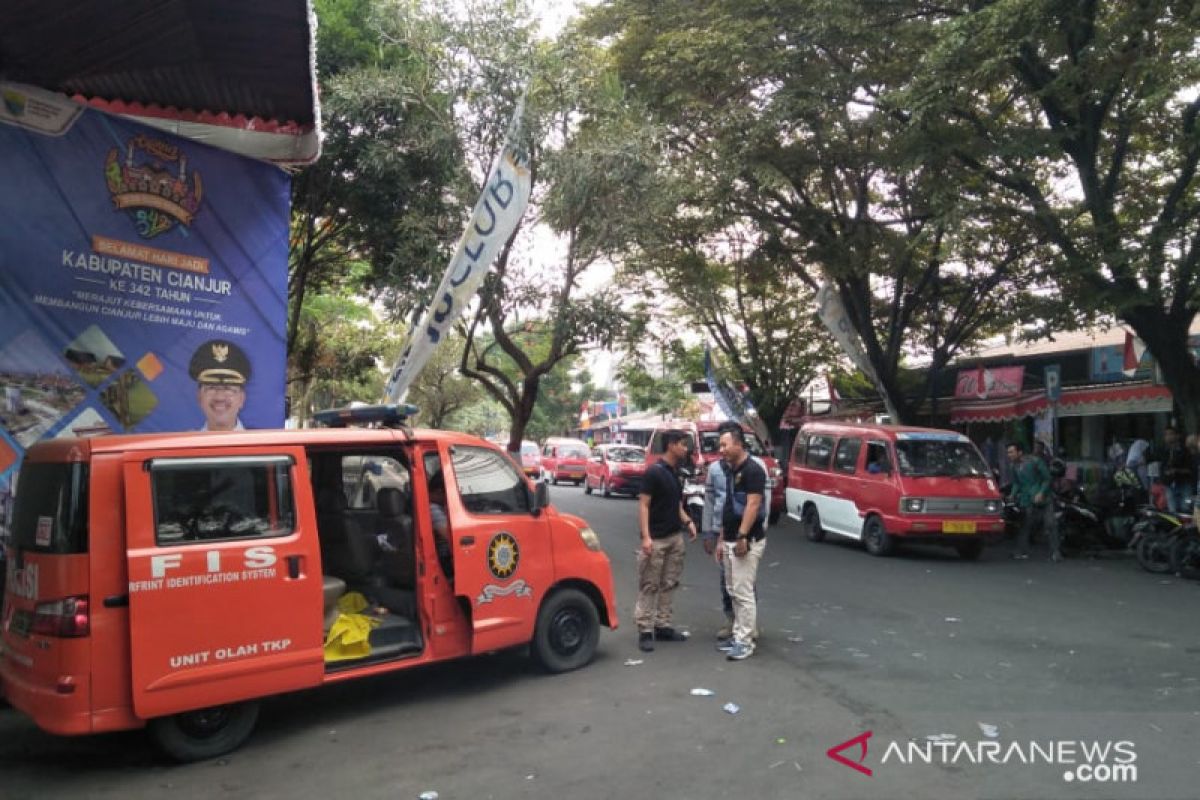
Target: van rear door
[
  {"x": 224, "y": 579},
  {"x": 45, "y": 658}
]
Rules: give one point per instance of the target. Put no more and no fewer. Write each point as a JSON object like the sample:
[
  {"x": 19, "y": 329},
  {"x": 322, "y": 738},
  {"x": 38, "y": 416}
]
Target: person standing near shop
[
  {"x": 743, "y": 540},
  {"x": 1177, "y": 473},
  {"x": 1030, "y": 488},
  {"x": 662, "y": 520}
]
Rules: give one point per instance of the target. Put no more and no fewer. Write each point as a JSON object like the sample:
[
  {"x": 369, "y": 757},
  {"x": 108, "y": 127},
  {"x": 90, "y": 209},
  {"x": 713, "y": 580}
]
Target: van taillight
[{"x": 66, "y": 617}]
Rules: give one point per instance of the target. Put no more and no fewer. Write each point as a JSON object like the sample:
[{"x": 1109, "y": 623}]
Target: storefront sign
[{"x": 983, "y": 383}]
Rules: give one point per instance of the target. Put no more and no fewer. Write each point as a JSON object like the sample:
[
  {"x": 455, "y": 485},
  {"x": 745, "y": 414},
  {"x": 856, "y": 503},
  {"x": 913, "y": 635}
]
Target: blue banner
[{"x": 144, "y": 278}]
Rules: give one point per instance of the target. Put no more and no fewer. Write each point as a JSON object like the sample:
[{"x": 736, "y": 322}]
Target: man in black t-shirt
[
  {"x": 743, "y": 538},
  {"x": 661, "y": 521}
]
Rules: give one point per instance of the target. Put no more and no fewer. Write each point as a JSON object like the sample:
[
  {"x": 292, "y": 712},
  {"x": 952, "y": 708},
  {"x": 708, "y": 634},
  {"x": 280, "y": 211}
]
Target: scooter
[{"x": 693, "y": 496}]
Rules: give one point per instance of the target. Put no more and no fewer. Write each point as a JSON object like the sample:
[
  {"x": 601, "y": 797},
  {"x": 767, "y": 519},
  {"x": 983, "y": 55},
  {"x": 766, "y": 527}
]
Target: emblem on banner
[
  {"x": 503, "y": 555},
  {"x": 152, "y": 184}
]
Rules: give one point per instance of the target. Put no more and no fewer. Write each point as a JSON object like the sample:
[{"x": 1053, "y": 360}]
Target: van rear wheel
[
  {"x": 567, "y": 632},
  {"x": 876, "y": 538},
  {"x": 205, "y": 733},
  {"x": 811, "y": 520}
]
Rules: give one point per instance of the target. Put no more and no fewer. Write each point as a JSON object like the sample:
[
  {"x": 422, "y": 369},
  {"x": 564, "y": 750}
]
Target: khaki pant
[
  {"x": 740, "y": 574},
  {"x": 658, "y": 577}
]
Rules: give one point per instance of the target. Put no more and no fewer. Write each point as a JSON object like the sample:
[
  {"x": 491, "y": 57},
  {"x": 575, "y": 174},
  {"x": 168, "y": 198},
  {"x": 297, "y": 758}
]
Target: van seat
[
  {"x": 333, "y": 588},
  {"x": 399, "y": 565}
]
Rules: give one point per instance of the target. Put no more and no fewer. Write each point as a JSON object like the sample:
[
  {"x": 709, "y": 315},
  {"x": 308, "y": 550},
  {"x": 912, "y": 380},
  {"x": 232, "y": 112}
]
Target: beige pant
[
  {"x": 658, "y": 577},
  {"x": 740, "y": 575}
]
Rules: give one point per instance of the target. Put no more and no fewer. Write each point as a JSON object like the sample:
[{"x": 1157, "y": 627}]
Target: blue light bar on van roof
[
  {"x": 931, "y": 436},
  {"x": 388, "y": 415}
]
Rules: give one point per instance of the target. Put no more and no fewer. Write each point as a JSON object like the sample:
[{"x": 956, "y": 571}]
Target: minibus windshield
[{"x": 940, "y": 458}]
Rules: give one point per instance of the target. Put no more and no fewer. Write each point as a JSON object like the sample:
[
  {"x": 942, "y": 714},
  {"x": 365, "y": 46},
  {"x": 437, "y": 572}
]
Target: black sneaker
[
  {"x": 646, "y": 642},
  {"x": 670, "y": 635}
]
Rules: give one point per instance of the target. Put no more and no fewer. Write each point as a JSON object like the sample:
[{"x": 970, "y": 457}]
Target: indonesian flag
[{"x": 1134, "y": 349}]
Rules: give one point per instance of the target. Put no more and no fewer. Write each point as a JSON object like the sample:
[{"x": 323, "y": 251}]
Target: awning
[
  {"x": 237, "y": 75},
  {"x": 1083, "y": 401}
]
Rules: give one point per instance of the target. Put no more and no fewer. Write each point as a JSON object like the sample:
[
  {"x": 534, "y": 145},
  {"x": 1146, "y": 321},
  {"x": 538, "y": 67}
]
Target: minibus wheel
[
  {"x": 567, "y": 632},
  {"x": 876, "y": 538},
  {"x": 811, "y": 520},
  {"x": 206, "y": 732}
]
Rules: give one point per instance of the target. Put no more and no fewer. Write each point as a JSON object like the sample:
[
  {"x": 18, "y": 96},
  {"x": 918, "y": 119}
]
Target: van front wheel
[
  {"x": 205, "y": 733},
  {"x": 567, "y": 632},
  {"x": 877, "y": 540}
]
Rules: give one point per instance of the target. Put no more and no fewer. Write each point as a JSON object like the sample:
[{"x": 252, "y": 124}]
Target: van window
[
  {"x": 819, "y": 451},
  {"x": 845, "y": 458},
  {"x": 940, "y": 457},
  {"x": 50, "y": 515},
  {"x": 658, "y": 443},
  {"x": 710, "y": 443},
  {"x": 799, "y": 452},
  {"x": 488, "y": 482},
  {"x": 364, "y": 475},
  {"x": 877, "y": 458},
  {"x": 207, "y": 499}
]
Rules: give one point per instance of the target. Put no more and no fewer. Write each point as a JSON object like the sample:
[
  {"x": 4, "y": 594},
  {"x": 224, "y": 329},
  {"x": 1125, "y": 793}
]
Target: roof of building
[{"x": 238, "y": 75}]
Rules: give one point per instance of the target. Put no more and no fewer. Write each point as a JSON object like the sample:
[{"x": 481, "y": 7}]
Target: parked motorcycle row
[{"x": 1163, "y": 542}]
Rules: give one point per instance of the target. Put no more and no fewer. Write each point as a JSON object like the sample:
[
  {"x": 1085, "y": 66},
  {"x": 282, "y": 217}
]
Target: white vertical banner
[
  {"x": 833, "y": 314},
  {"x": 497, "y": 212}
]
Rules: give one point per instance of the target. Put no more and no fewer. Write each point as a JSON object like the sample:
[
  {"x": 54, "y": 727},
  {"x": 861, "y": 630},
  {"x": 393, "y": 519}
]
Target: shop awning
[
  {"x": 237, "y": 75},
  {"x": 1082, "y": 401}
]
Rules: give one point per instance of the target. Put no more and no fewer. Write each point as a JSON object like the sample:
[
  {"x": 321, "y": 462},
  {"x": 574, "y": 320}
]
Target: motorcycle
[
  {"x": 1086, "y": 527},
  {"x": 1155, "y": 534},
  {"x": 1185, "y": 552}
]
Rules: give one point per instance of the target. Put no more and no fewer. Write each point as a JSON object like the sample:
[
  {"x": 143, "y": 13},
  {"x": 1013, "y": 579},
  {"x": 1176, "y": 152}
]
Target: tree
[
  {"x": 1081, "y": 118},
  {"x": 440, "y": 391},
  {"x": 531, "y": 315},
  {"x": 778, "y": 112},
  {"x": 370, "y": 218},
  {"x": 340, "y": 343}
]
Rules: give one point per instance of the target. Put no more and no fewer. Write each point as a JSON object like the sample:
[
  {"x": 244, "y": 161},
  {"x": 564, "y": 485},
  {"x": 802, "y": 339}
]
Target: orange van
[
  {"x": 173, "y": 580},
  {"x": 884, "y": 484}
]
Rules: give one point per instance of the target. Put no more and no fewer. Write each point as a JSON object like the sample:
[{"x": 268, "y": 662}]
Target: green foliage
[
  {"x": 441, "y": 391},
  {"x": 1081, "y": 120},
  {"x": 782, "y": 138},
  {"x": 340, "y": 345}
]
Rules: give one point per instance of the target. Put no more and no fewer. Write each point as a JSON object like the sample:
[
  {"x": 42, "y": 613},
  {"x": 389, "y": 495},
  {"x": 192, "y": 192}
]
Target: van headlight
[
  {"x": 993, "y": 506},
  {"x": 590, "y": 539},
  {"x": 912, "y": 505}
]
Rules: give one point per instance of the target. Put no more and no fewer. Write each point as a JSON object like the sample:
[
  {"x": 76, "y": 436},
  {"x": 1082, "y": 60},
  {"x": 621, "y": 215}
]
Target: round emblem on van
[{"x": 503, "y": 555}]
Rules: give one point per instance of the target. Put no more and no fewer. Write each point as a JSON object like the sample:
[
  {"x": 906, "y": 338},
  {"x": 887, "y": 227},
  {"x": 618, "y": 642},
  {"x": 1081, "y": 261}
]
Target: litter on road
[
  {"x": 701, "y": 692},
  {"x": 731, "y": 708},
  {"x": 990, "y": 731},
  {"x": 633, "y": 662}
]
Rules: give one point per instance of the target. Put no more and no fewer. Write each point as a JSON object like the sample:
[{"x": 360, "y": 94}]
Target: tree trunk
[
  {"x": 1166, "y": 337},
  {"x": 524, "y": 412}
]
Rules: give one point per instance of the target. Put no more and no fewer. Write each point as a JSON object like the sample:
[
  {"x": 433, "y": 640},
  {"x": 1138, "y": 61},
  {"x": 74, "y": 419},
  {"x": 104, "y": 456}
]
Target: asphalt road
[{"x": 1013, "y": 655}]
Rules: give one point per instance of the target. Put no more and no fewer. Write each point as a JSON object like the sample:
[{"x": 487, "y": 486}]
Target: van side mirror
[{"x": 541, "y": 497}]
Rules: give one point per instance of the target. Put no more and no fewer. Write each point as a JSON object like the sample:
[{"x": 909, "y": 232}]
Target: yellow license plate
[{"x": 958, "y": 527}]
